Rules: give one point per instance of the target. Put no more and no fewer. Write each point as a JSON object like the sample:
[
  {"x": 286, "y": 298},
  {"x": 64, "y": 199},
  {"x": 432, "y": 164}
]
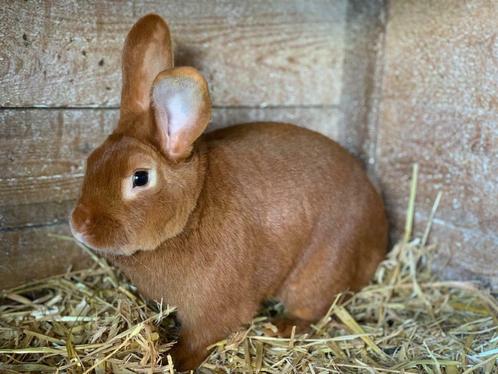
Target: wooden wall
[
  {"x": 439, "y": 107},
  {"x": 368, "y": 74}
]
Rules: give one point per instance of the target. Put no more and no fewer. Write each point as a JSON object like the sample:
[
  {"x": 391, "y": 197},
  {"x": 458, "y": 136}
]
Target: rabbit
[{"x": 216, "y": 223}]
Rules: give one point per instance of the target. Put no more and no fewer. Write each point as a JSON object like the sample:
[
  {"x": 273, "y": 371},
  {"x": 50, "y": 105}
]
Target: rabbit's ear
[
  {"x": 147, "y": 52},
  {"x": 182, "y": 109}
]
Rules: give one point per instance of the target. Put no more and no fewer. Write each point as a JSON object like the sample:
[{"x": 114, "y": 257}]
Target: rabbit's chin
[
  {"x": 110, "y": 251},
  {"x": 118, "y": 251},
  {"x": 122, "y": 250}
]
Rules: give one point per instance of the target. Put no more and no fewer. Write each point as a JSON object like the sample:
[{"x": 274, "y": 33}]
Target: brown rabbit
[{"x": 218, "y": 223}]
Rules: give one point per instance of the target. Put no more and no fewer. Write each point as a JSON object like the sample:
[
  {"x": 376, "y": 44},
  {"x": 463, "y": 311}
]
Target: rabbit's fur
[{"x": 230, "y": 218}]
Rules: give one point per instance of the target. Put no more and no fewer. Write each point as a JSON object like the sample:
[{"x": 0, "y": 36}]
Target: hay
[
  {"x": 86, "y": 321},
  {"x": 405, "y": 321}
]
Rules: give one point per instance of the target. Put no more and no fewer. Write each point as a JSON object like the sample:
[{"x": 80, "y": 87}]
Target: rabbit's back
[
  {"x": 291, "y": 173},
  {"x": 291, "y": 186}
]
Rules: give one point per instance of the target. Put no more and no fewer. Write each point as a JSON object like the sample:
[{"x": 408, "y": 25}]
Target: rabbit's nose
[{"x": 80, "y": 219}]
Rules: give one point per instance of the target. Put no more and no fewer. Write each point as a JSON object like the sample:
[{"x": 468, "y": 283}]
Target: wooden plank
[
  {"x": 42, "y": 153},
  {"x": 31, "y": 254},
  {"x": 361, "y": 80},
  {"x": 456, "y": 154},
  {"x": 442, "y": 53},
  {"x": 456, "y": 243},
  {"x": 253, "y": 53},
  {"x": 439, "y": 109},
  {"x": 326, "y": 120}
]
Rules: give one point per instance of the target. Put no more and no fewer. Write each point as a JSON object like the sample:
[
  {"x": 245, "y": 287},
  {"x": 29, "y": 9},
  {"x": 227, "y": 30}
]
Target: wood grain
[
  {"x": 42, "y": 153},
  {"x": 253, "y": 53},
  {"x": 456, "y": 153},
  {"x": 31, "y": 254},
  {"x": 361, "y": 79},
  {"x": 439, "y": 109},
  {"x": 461, "y": 252}
]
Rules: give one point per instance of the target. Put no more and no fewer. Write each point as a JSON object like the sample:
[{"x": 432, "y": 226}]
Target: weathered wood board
[
  {"x": 439, "y": 108},
  {"x": 253, "y": 53},
  {"x": 36, "y": 253}
]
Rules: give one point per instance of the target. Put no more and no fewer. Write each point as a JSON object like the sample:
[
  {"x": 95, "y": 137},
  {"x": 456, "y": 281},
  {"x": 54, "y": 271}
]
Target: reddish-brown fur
[{"x": 248, "y": 213}]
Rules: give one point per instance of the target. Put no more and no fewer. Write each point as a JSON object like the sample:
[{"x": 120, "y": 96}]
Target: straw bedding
[{"x": 405, "y": 321}]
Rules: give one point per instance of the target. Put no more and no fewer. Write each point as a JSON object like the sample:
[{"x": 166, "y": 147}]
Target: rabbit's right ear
[
  {"x": 147, "y": 52},
  {"x": 182, "y": 110}
]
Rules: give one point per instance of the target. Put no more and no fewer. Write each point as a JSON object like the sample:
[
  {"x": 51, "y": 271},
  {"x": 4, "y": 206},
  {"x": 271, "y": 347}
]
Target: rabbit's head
[{"x": 143, "y": 182}]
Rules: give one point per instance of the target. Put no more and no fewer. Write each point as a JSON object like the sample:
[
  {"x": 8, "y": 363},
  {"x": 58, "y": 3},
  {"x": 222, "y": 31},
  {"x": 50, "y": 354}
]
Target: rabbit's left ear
[
  {"x": 182, "y": 110},
  {"x": 147, "y": 52}
]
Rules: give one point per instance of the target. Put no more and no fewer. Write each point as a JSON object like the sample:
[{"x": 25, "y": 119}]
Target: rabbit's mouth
[
  {"x": 85, "y": 240},
  {"x": 81, "y": 237}
]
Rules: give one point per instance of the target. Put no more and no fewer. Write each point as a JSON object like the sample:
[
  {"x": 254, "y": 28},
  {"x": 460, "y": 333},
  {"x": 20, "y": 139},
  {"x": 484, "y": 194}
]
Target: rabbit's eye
[
  {"x": 140, "y": 181},
  {"x": 140, "y": 178}
]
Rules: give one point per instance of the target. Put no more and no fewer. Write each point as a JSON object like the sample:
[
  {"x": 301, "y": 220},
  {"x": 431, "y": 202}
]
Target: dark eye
[{"x": 140, "y": 178}]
